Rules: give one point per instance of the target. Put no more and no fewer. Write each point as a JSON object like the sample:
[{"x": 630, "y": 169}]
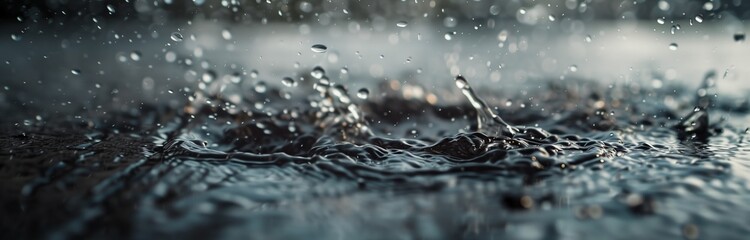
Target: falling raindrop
[
  {"x": 110, "y": 8},
  {"x": 699, "y": 18},
  {"x": 75, "y": 71},
  {"x": 260, "y": 87},
  {"x": 402, "y": 24},
  {"x": 673, "y": 46},
  {"x": 674, "y": 28},
  {"x": 208, "y": 76},
  {"x": 135, "y": 55},
  {"x": 449, "y": 35},
  {"x": 319, "y": 48},
  {"x": 177, "y": 37},
  {"x": 494, "y": 10},
  {"x": 226, "y": 34},
  {"x": 317, "y": 72},
  {"x": 289, "y": 82},
  {"x": 461, "y": 82},
  {"x": 739, "y": 37},
  {"x": 363, "y": 93}
]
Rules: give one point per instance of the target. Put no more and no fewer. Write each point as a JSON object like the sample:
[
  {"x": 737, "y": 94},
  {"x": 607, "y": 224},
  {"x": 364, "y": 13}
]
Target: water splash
[{"x": 487, "y": 120}]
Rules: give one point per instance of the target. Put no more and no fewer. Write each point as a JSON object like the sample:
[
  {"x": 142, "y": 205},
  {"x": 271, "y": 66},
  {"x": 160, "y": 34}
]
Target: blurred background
[{"x": 86, "y": 56}]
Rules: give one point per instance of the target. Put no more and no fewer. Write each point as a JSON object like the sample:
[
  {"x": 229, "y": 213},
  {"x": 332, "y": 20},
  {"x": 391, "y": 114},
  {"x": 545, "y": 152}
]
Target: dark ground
[{"x": 48, "y": 175}]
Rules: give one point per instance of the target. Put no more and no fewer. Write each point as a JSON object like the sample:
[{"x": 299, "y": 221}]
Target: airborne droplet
[
  {"x": 363, "y": 93},
  {"x": 226, "y": 34},
  {"x": 448, "y": 36},
  {"x": 260, "y": 87},
  {"x": 177, "y": 37},
  {"x": 699, "y": 18},
  {"x": 135, "y": 55},
  {"x": 317, "y": 72},
  {"x": 236, "y": 77},
  {"x": 208, "y": 76},
  {"x": 739, "y": 37},
  {"x": 461, "y": 82},
  {"x": 674, "y": 28},
  {"x": 319, "y": 48},
  {"x": 289, "y": 82},
  {"x": 673, "y": 46}
]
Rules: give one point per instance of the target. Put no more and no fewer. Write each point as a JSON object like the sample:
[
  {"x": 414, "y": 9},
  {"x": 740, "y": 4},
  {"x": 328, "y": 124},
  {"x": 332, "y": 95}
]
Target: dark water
[
  {"x": 315, "y": 160},
  {"x": 306, "y": 119}
]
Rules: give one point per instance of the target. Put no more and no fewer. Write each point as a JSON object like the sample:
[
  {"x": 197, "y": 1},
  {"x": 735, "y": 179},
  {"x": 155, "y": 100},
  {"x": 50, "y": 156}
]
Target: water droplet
[
  {"x": 289, "y": 82},
  {"x": 673, "y": 46},
  {"x": 15, "y": 37},
  {"x": 75, "y": 71},
  {"x": 135, "y": 55},
  {"x": 254, "y": 74},
  {"x": 402, "y": 24},
  {"x": 382, "y": 56},
  {"x": 325, "y": 81},
  {"x": 363, "y": 93},
  {"x": 236, "y": 77},
  {"x": 260, "y": 87},
  {"x": 317, "y": 72},
  {"x": 170, "y": 56},
  {"x": 319, "y": 48},
  {"x": 660, "y": 20},
  {"x": 573, "y": 68},
  {"x": 208, "y": 76},
  {"x": 450, "y": 22},
  {"x": 344, "y": 70},
  {"x": 674, "y": 28},
  {"x": 739, "y": 37},
  {"x": 170, "y": 91},
  {"x": 449, "y": 35},
  {"x": 494, "y": 10},
  {"x": 110, "y": 8},
  {"x": 699, "y": 18},
  {"x": 551, "y": 18},
  {"x": 177, "y": 37},
  {"x": 226, "y": 34},
  {"x": 587, "y": 38},
  {"x": 522, "y": 11},
  {"x": 461, "y": 82}
]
